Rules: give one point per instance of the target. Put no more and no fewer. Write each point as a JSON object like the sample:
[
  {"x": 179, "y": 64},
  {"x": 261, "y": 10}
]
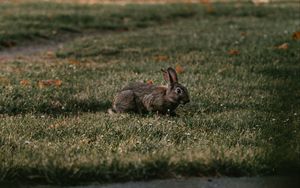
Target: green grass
[
  {"x": 243, "y": 118},
  {"x": 25, "y": 22}
]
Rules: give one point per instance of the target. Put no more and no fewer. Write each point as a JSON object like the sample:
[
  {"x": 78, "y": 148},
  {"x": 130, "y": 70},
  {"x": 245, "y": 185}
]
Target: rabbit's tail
[{"x": 111, "y": 111}]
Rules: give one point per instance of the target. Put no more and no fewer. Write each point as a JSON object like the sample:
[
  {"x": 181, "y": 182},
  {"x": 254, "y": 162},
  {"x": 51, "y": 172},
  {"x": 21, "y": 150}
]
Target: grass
[
  {"x": 48, "y": 20},
  {"x": 243, "y": 119}
]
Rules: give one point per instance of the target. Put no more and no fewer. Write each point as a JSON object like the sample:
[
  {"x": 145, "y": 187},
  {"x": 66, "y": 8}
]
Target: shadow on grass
[
  {"x": 61, "y": 22},
  {"x": 71, "y": 107},
  {"x": 212, "y": 107},
  {"x": 116, "y": 171},
  {"x": 282, "y": 130}
]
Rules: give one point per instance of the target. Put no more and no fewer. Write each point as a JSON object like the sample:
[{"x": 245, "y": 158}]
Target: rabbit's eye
[{"x": 178, "y": 90}]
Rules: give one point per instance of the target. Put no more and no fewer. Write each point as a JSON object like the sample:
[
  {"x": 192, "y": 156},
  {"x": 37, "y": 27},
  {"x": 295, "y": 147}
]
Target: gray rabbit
[{"x": 142, "y": 97}]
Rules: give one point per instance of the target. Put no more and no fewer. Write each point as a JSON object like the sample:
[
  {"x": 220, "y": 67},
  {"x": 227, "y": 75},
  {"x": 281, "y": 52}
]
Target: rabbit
[{"x": 143, "y": 97}]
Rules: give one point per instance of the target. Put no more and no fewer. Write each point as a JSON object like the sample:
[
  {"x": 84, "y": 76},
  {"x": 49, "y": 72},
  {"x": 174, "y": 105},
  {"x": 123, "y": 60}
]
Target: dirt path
[
  {"x": 39, "y": 48},
  {"x": 29, "y": 50},
  {"x": 223, "y": 182}
]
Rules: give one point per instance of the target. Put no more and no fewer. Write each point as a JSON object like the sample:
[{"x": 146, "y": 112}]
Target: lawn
[{"x": 244, "y": 114}]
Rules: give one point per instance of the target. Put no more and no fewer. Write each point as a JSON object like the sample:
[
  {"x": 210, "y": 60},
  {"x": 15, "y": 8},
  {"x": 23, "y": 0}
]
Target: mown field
[{"x": 244, "y": 115}]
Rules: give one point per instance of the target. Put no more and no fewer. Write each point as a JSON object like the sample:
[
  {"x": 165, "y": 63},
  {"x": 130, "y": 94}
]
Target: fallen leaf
[
  {"x": 57, "y": 83},
  {"x": 161, "y": 58},
  {"x": 243, "y": 34},
  {"x": 205, "y": 1},
  {"x": 44, "y": 83},
  {"x": 210, "y": 9},
  {"x": 50, "y": 54},
  {"x": 150, "y": 82},
  {"x": 4, "y": 81},
  {"x": 283, "y": 46},
  {"x": 179, "y": 69},
  {"x": 25, "y": 82},
  {"x": 48, "y": 83},
  {"x": 296, "y": 35},
  {"x": 260, "y": 2},
  {"x": 73, "y": 62},
  {"x": 233, "y": 52}
]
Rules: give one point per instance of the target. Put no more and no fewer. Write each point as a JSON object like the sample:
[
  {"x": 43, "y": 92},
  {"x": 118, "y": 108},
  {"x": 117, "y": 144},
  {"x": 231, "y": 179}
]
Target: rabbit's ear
[
  {"x": 172, "y": 75},
  {"x": 166, "y": 75}
]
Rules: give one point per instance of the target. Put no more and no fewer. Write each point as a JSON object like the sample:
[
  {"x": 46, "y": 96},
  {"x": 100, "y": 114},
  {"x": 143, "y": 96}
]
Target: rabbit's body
[{"x": 141, "y": 97}]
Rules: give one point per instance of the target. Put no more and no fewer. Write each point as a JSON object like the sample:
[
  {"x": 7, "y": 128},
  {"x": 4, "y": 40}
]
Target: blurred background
[{"x": 148, "y": 1}]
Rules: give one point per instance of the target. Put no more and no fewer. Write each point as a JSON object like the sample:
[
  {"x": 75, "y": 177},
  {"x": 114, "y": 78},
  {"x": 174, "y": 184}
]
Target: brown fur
[{"x": 142, "y": 97}]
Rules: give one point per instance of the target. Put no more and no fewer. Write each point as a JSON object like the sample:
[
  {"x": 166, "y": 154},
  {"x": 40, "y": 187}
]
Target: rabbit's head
[{"x": 176, "y": 93}]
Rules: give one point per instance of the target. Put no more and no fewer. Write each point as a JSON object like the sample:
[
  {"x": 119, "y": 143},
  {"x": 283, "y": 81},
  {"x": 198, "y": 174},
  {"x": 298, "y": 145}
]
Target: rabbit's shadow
[{"x": 69, "y": 108}]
